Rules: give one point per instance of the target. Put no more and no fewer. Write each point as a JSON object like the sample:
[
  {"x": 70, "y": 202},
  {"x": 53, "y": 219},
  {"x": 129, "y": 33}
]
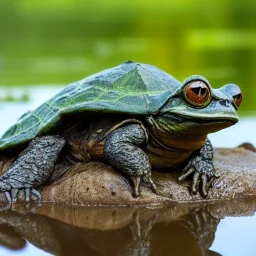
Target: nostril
[{"x": 224, "y": 103}]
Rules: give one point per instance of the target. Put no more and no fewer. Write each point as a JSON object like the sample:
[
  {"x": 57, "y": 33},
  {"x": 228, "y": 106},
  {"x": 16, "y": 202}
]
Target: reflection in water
[{"x": 63, "y": 230}]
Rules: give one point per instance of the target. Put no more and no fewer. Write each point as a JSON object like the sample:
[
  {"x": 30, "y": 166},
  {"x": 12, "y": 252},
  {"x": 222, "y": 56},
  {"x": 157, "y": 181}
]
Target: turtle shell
[{"x": 130, "y": 88}]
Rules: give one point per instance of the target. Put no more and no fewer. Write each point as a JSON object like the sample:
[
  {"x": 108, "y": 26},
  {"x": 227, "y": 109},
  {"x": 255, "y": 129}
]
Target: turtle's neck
[{"x": 176, "y": 133}]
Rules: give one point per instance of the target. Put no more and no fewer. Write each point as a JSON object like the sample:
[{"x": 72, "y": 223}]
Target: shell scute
[{"x": 130, "y": 88}]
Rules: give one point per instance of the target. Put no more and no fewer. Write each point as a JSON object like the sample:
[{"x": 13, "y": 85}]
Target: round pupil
[{"x": 197, "y": 93}]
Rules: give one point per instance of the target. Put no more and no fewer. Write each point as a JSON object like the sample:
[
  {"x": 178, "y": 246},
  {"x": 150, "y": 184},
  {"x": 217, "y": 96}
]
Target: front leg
[
  {"x": 122, "y": 150},
  {"x": 32, "y": 168},
  {"x": 201, "y": 164}
]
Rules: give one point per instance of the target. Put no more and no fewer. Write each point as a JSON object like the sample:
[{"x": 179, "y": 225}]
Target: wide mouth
[{"x": 202, "y": 119}]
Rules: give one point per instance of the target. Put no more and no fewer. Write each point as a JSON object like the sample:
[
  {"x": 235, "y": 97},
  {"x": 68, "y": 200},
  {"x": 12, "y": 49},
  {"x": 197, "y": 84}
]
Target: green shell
[{"x": 130, "y": 88}]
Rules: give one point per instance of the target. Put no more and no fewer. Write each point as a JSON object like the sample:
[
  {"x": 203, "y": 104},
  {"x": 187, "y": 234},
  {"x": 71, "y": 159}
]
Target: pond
[{"x": 179, "y": 230}]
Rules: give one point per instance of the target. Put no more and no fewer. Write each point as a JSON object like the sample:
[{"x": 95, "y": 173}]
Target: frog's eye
[
  {"x": 197, "y": 93},
  {"x": 237, "y": 99},
  {"x": 233, "y": 93}
]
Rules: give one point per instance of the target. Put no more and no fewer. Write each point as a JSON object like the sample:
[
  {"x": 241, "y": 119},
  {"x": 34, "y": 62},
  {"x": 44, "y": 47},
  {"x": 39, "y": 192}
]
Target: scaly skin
[
  {"x": 32, "y": 168},
  {"x": 122, "y": 150},
  {"x": 201, "y": 164}
]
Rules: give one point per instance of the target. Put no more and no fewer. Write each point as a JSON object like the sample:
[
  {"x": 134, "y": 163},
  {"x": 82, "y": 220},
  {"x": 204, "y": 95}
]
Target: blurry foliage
[
  {"x": 61, "y": 41},
  {"x": 11, "y": 97}
]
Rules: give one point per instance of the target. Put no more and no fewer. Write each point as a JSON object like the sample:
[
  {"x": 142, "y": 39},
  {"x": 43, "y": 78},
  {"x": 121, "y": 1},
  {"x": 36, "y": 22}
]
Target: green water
[{"x": 58, "y": 42}]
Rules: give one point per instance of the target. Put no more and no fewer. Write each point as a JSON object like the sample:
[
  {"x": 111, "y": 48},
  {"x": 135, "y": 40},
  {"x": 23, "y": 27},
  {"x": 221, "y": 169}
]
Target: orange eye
[
  {"x": 197, "y": 93},
  {"x": 237, "y": 99}
]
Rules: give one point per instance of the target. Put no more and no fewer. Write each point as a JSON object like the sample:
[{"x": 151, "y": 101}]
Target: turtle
[{"x": 133, "y": 116}]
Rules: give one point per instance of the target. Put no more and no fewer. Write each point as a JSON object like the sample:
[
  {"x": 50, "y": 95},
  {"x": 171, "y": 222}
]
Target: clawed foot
[
  {"x": 12, "y": 195},
  {"x": 146, "y": 178},
  {"x": 201, "y": 165},
  {"x": 204, "y": 173}
]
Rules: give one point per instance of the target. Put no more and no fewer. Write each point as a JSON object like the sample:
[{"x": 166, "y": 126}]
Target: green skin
[{"x": 152, "y": 122}]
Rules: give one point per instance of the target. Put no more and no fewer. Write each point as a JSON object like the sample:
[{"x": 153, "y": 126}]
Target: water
[{"x": 178, "y": 230}]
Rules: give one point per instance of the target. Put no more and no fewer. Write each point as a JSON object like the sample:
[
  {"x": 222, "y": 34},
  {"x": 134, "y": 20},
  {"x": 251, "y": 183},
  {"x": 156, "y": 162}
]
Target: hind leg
[
  {"x": 32, "y": 168},
  {"x": 122, "y": 149}
]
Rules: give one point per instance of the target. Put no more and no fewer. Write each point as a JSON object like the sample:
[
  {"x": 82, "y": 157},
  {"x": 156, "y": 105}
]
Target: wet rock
[
  {"x": 248, "y": 146},
  {"x": 100, "y": 185}
]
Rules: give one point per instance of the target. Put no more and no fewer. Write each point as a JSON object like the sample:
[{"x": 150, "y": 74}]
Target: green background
[{"x": 60, "y": 41}]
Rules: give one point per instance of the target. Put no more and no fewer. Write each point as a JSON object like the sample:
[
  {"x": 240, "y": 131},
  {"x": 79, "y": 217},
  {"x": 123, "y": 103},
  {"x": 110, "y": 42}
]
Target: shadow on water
[{"x": 64, "y": 230}]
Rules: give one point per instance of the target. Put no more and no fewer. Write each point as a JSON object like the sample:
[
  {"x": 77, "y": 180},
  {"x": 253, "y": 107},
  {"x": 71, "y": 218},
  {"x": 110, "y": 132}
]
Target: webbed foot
[{"x": 201, "y": 166}]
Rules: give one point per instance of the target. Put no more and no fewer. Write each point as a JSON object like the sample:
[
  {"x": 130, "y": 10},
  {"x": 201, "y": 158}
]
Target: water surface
[{"x": 178, "y": 230}]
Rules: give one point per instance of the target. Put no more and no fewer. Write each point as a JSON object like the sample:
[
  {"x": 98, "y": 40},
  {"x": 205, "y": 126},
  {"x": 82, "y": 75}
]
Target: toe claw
[
  {"x": 136, "y": 182},
  {"x": 11, "y": 195},
  {"x": 217, "y": 174},
  {"x": 8, "y": 196},
  {"x": 146, "y": 178},
  {"x": 37, "y": 194},
  {"x": 196, "y": 181},
  {"x": 153, "y": 185},
  {"x": 186, "y": 174},
  {"x": 14, "y": 193},
  {"x": 204, "y": 185},
  {"x": 27, "y": 194}
]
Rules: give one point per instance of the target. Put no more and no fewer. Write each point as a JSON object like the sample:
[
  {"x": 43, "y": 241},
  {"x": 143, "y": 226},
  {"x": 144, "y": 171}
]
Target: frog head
[
  {"x": 197, "y": 109},
  {"x": 197, "y": 102}
]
